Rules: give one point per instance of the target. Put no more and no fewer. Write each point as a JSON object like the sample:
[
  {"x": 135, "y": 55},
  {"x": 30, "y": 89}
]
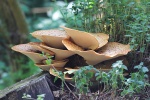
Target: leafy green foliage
[
  {"x": 137, "y": 81},
  {"x": 60, "y": 75},
  {"x": 82, "y": 78},
  {"x": 4, "y": 76},
  {"x": 126, "y": 21},
  {"x": 5, "y": 73},
  {"x": 28, "y": 97},
  {"x": 48, "y": 58},
  {"x": 114, "y": 80},
  {"x": 54, "y": 70},
  {"x": 48, "y": 19}
]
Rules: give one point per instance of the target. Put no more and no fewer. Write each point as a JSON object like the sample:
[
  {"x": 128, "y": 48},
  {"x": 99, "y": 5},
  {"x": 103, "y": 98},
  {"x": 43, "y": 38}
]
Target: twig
[
  {"x": 66, "y": 85},
  {"x": 70, "y": 90}
]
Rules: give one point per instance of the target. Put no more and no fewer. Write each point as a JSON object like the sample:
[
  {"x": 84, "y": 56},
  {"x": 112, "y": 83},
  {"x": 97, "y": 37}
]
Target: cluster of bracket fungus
[{"x": 63, "y": 44}]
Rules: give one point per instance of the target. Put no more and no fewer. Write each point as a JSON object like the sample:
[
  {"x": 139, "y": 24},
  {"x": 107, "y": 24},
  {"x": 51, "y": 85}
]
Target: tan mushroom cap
[
  {"x": 114, "y": 48},
  {"x": 59, "y": 53},
  {"x": 51, "y": 37},
  {"x": 87, "y": 40},
  {"x": 105, "y": 69},
  {"x": 56, "y": 64},
  {"x": 29, "y": 51},
  {"x": 102, "y": 39},
  {"x": 56, "y": 61},
  {"x": 71, "y": 46},
  {"x": 109, "y": 51},
  {"x": 37, "y": 46}
]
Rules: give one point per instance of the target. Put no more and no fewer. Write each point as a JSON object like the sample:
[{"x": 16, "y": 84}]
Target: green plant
[
  {"x": 6, "y": 73},
  {"x": 82, "y": 78},
  {"x": 126, "y": 21},
  {"x": 137, "y": 82},
  {"x": 116, "y": 80},
  {"x": 28, "y": 97},
  {"x": 54, "y": 70},
  {"x": 113, "y": 81},
  {"x": 59, "y": 75},
  {"x": 48, "y": 58},
  {"x": 4, "y": 76}
]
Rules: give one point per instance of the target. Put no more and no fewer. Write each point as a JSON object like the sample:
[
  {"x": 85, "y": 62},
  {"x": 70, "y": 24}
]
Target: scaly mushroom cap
[
  {"x": 29, "y": 51},
  {"x": 86, "y": 40},
  {"x": 109, "y": 51},
  {"x": 113, "y": 48},
  {"x": 51, "y": 37},
  {"x": 37, "y": 46},
  {"x": 102, "y": 39},
  {"x": 59, "y": 53},
  {"x": 56, "y": 64}
]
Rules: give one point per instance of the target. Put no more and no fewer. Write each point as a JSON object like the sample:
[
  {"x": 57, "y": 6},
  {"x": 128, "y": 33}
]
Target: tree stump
[{"x": 35, "y": 85}]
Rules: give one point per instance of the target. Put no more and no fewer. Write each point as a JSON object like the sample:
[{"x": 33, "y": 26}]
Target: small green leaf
[
  {"x": 89, "y": 74},
  {"x": 142, "y": 49},
  {"x": 145, "y": 69},
  {"x": 129, "y": 81},
  {"x": 128, "y": 36},
  {"x": 97, "y": 74},
  {"x": 41, "y": 97},
  {"x": 55, "y": 79},
  {"x": 137, "y": 67},
  {"x": 98, "y": 77},
  {"x": 70, "y": 71},
  {"x": 48, "y": 61},
  {"x": 141, "y": 64},
  {"x": 124, "y": 67},
  {"x": 140, "y": 82}
]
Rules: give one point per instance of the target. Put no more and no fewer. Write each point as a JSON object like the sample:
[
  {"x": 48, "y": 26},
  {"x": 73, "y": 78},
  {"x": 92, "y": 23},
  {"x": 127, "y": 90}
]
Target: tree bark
[
  {"x": 14, "y": 21},
  {"x": 41, "y": 83},
  {"x": 13, "y": 30}
]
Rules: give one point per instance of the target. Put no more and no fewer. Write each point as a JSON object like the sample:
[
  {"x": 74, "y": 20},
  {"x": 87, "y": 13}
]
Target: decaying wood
[{"x": 35, "y": 85}]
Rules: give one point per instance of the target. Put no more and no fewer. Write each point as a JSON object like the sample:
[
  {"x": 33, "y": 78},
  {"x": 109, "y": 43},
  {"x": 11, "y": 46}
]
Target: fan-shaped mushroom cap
[
  {"x": 51, "y": 37},
  {"x": 56, "y": 64},
  {"x": 114, "y": 48},
  {"x": 101, "y": 38},
  {"x": 29, "y": 51},
  {"x": 109, "y": 51},
  {"x": 59, "y": 53},
  {"x": 37, "y": 46},
  {"x": 71, "y": 46},
  {"x": 86, "y": 40}
]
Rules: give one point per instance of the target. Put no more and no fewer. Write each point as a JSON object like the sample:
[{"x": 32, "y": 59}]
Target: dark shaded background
[{"x": 18, "y": 18}]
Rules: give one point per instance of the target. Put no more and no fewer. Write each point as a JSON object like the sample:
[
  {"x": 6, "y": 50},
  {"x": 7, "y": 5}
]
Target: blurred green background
[{"x": 18, "y": 18}]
